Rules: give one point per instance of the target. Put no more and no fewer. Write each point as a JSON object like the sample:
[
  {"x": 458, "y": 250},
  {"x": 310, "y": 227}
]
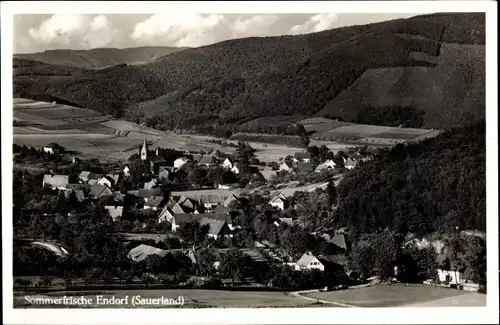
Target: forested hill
[
  {"x": 100, "y": 57},
  {"x": 432, "y": 64},
  {"x": 434, "y": 185}
]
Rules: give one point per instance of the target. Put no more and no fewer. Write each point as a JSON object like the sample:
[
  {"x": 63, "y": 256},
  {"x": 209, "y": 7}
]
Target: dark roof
[
  {"x": 276, "y": 194},
  {"x": 338, "y": 259},
  {"x": 339, "y": 240},
  {"x": 301, "y": 155},
  {"x": 157, "y": 159},
  {"x": 155, "y": 201},
  {"x": 145, "y": 193},
  {"x": 98, "y": 190},
  {"x": 220, "y": 209},
  {"x": 183, "y": 218},
  {"x": 216, "y": 225},
  {"x": 305, "y": 167},
  {"x": 207, "y": 159}
]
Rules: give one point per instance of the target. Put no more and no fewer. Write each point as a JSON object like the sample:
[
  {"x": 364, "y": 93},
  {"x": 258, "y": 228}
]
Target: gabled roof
[
  {"x": 277, "y": 194},
  {"x": 207, "y": 159},
  {"x": 155, "y": 201},
  {"x": 84, "y": 174},
  {"x": 338, "y": 259},
  {"x": 142, "y": 251},
  {"x": 114, "y": 211},
  {"x": 185, "y": 218},
  {"x": 157, "y": 159},
  {"x": 78, "y": 186},
  {"x": 98, "y": 190},
  {"x": 287, "y": 164},
  {"x": 306, "y": 259},
  {"x": 56, "y": 180},
  {"x": 305, "y": 167},
  {"x": 114, "y": 177},
  {"x": 145, "y": 193},
  {"x": 178, "y": 209},
  {"x": 216, "y": 225},
  {"x": 151, "y": 184},
  {"x": 339, "y": 240},
  {"x": 229, "y": 199},
  {"x": 220, "y": 209}
]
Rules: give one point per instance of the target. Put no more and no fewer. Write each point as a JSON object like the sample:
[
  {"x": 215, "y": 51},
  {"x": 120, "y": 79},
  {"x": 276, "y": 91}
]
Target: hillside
[
  {"x": 434, "y": 185},
  {"x": 101, "y": 57},
  {"x": 223, "y": 85}
]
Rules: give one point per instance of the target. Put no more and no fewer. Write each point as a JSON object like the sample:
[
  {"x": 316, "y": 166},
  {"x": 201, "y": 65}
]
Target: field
[
  {"x": 401, "y": 295},
  {"x": 323, "y": 129},
  {"x": 193, "y": 298}
]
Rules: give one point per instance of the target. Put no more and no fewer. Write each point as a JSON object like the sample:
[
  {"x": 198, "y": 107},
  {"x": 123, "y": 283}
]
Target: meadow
[{"x": 400, "y": 295}]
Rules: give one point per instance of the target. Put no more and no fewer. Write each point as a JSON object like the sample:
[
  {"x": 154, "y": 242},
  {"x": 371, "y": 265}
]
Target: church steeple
[{"x": 144, "y": 150}]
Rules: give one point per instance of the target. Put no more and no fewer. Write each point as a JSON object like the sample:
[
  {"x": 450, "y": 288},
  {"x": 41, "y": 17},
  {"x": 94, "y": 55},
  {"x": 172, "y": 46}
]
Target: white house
[
  {"x": 310, "y": 262},
  {"x": 235, "y": 169},
  {"x": 227, "y": 163},
  {"x": 114, "y": 211},
  {"x": 52, "y": 148},
  {"x": 351, "y": 163},
  {"x": 279, "y": 200},
  {"x": 451, "y": 277},
  {"x": 55, "y": 181},
  {"x": 329, "y": 164},
  {"x": 285, "y": 166},
  {"x": 179, "y": 162},
  {"x": 106, "y": 181}
]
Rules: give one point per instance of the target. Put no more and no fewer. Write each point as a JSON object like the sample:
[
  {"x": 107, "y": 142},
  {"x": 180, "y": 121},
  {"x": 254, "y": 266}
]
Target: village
[{"x": 211, "y": 220}]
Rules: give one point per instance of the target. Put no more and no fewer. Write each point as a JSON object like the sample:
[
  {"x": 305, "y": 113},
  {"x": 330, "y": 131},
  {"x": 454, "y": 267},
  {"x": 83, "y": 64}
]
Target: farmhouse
[
  {"x": 179, "y": 219},
  {"x": 329, "y": 164},
  {"x": 164, "y": 174},
  {"x": 55, "y": 181},
  {"x": 350, "y": 163},
  {"x": 155, "y": 162},
  {"x": 301, "y": 157},
  {"x": 98, "y": 190},
  {"x": 286, "y": 166},
  {"x": 106, "y": 181},
  {"x": 179, "y": 162},
  {"x": 227, "y": 163},
  {"x": 154, "y": 203},
  {"x": 115, "y": 211},
  {"x": 206, "y": 160},
  {"x": 217, "y": 228},
  {"x": 279, "y": 200},
  {"x": 53, "y": 148},
  {"x": 322, "y": 263},
  {"x": 305, "y": 168}
]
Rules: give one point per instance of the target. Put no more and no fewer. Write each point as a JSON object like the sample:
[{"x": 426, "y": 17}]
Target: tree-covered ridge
[
  {"x": 434, "y": 185},
  {"x": 228, "y": 83}
]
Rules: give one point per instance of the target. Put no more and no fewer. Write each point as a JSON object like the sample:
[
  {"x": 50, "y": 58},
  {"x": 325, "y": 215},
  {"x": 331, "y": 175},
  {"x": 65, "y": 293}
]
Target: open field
[
  {"x": 193, "y": 298},
  {"x": 400, "y": 295},
  {"x": 327, "y": 130}
]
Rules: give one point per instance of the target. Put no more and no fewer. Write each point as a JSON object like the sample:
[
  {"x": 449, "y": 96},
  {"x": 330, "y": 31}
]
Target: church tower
[{"x": 144, "y": 150}]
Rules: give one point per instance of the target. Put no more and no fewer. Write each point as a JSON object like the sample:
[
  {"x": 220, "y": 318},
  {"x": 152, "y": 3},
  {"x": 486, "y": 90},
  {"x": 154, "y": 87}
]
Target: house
[
  {"x": 53, "y": 148},
  {"x": 84, "y": 176},
  {"x": 286, "y": 166},
  {"x": 55, "y": 181},
  {"x": 179, "y": 219},
  {"x": 268, "y": 173},
  {"x": 329, "y": 164},
  {"x": 80, "y": 194},
  {"x": 277, "y": 199},
  {"x": 98, "y": 190},
  {"x": 217, "y": 228},
  {"x": 301, "y": 157},
  {"x": 305, "y": 168},
  {"x": 179, "y": 162},
  {"x": 450, "y": 277},
  {"x": 126, "y": 170},
  {"x": 142, "y": 251},
  {"x": 209, "y": 202},
  {"x": 155, "y": 162},
  {"x": 350, "y": 163},
  {"x": 235, "y": 169},
  {"x": 144, "y": 193},
  {"x": 114, "y": 177},
  {"x": 151, "y": 184},
  {"x": 227, "y": 163},
  {"x": 338, "y": 240},
  {"x": 206, "y": 160},
  {"x": 164, "y": 174},
  {"x": 322, "y": 263},
  {"x": 106, "y": 181},
  {"x": 154, "y": 203},
  {"x": 115, "y": 211}
]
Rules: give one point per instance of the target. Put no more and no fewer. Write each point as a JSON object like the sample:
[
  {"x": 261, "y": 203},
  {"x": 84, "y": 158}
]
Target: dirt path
[{"x": 298, "y": 294}]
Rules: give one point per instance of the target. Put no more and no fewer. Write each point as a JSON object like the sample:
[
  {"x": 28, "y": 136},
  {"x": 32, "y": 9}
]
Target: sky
[{"x": 37, "y": 33}]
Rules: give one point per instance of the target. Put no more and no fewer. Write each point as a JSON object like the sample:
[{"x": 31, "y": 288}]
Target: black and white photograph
[{"x": 187, "y": 158}]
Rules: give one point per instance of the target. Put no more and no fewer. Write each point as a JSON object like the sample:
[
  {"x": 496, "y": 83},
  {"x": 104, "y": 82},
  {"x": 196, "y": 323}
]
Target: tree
[
  {"x": 235, "y": 265},
  {"x": 362, "y": 259},
  {"x": 474, "y": 260},
  {"x": 193, "y": 232}
]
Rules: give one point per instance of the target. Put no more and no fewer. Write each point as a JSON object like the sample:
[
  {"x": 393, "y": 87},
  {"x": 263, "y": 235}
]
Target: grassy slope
[
  {"x": 236, "y": 80},
  {"x": 101, "y": 57}
]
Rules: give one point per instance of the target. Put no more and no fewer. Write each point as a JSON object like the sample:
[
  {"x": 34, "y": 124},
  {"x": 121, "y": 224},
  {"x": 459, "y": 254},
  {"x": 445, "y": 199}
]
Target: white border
[{"x": 488, "y": 314}]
